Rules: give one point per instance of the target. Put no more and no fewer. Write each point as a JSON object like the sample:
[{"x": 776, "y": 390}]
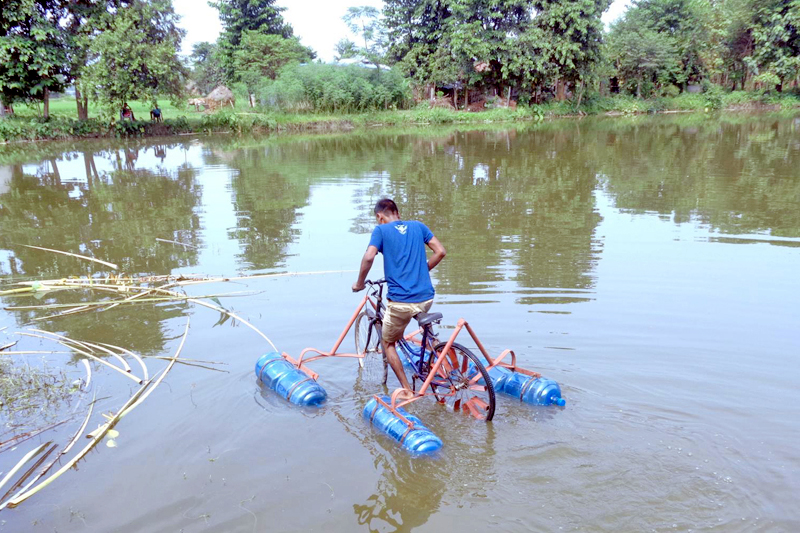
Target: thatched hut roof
[{"x": 220, "y": 94}]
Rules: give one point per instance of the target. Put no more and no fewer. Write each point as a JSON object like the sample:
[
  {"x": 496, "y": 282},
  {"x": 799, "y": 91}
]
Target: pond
[{"x": 648, "y": 264}]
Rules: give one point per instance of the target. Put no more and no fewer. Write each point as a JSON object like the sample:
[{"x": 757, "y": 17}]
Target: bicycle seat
[{"x": 428, "y": 318}]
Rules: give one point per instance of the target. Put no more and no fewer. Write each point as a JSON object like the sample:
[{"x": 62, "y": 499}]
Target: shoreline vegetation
[{"x": 27, "y": 126}]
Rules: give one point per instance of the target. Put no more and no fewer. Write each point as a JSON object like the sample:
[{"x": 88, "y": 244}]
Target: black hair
[{"x": 386, "y": 205}]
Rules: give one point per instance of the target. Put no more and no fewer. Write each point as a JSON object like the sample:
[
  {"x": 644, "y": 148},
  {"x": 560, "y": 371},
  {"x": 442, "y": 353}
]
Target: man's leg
[{"x": 394, "y": 361}]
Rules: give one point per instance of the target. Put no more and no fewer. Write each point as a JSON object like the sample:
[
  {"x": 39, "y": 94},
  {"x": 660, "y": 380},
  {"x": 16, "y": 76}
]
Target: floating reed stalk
[
  {"x": 28, "y": 456},
  {"x": 106, "y": 263}
]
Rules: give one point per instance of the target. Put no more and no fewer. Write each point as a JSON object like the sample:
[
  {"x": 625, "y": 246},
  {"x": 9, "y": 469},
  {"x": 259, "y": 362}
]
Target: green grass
[
  {"x": 26, "y": 124},
  {"x": 65, "y": 107}
]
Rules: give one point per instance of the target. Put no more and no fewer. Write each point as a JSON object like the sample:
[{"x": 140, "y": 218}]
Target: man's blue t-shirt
[{"x": 405, "y": 264}]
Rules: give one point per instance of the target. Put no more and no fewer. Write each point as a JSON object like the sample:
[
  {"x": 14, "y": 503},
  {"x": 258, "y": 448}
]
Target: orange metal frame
[{"x": 402, "y": 397}]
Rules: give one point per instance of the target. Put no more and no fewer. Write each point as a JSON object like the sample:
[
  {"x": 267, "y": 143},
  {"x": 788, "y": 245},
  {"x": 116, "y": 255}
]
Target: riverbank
[{"x": 26, "y": 128}]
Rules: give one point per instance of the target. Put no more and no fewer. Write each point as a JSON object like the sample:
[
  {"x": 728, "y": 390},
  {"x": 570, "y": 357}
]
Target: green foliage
[
  {"x": 345, "y": 49},
  {"x": 136, "y": 57},
  {"x": 33, "y": 56},
  {"x": 207, "y": 72},
  {"x": 261, "y": 55},
  {"x": 365, "y": 22},
  {"x": 645, "y": 59},
  {"x": 332, "y": 88},
  {"x": 239, "y": 16},
  {"x": 776, "y": 35}
]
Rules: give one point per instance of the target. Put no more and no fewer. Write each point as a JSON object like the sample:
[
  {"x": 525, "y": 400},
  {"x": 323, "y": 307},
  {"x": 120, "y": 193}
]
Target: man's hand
[{"x": 366, "y": 264}]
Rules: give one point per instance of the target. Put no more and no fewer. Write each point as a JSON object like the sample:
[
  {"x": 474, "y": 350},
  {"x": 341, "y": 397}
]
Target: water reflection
[
  {"x": 115, "y": 214},
  {"x": 736, "y": 176},
  {"x": 98, "y": 204}
]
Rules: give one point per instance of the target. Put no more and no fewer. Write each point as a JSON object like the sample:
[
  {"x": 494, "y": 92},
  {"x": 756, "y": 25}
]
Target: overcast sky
[{"x": 318, "y": 23}]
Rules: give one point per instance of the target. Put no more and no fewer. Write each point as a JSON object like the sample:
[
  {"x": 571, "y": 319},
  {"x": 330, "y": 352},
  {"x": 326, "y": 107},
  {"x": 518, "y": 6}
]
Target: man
[
  {"x": 155, "y": 114},
  {"x": 406, "y": 269}
]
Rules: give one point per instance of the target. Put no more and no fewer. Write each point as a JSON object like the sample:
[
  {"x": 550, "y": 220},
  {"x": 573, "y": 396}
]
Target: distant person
[
  {"x": 127, "y": 112},
  {"x": 407, "y": 271},
  {"x": 155, "y": 114}
]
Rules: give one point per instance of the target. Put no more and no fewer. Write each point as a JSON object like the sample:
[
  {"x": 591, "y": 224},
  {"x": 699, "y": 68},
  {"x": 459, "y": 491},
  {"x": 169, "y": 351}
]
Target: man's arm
[
  {"x": 366, "y": 264},
  {"x": 438, "y": 253}
]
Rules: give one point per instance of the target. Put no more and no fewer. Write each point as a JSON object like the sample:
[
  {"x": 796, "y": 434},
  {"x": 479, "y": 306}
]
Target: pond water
[{"x": 649, "y": 265}]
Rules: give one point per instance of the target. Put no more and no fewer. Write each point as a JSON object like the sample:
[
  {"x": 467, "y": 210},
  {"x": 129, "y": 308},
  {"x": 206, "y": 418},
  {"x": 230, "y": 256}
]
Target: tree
[
  {"x": 261, "y": 55},
  {"x": 238, "y": 16},
  {"x": 681, "y": 21},
  {"x": 33, "y": 58},
  {"x": 345, "y": 49},
  {"x": 207, "y": 71},
  {"x": 643, "y": 56},
  {"x": 136, "y": 57},
  {"x": 570, "y": 36},
  {"x": 492, "y": 43},
  {"x": 365, "y": 22},
  {"x": 776, "y": 36}
]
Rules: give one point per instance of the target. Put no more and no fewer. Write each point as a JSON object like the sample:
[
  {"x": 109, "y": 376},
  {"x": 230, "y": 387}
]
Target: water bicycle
[{"x": 445, "y": 370}]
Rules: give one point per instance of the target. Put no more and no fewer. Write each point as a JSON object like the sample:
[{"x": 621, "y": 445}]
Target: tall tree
[
  {"x": 238, "y": 16},
  {"x": 345, "y": 49},
  {"x": 776, "y": 35},
  {"x": 644, "y": 57},
  {"x": 33, "y": 57},
  {"x": 260, "y": 56},
  {"x": 207, "y": 71},
  {"x": 365, "y": 21},
  {"x": 136, "y": 57},
  {"x": 681, "y": 21},
  {"x": 572, "y": 33}
]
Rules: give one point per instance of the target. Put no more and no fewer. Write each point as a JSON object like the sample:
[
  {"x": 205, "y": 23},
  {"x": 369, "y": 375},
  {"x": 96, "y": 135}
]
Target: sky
[{"x": 318, "y": 23}]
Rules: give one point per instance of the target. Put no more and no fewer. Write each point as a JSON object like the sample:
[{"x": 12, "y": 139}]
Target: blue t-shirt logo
[{"x": 405, "y": 265}]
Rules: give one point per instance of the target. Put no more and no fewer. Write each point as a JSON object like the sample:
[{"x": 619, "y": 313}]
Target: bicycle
[
  {"x": 447, "y": 371},
  {"x": 457, "y": 377}
]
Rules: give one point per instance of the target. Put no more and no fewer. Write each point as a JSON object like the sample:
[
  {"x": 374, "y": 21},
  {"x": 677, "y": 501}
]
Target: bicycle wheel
[
  {"x": 368, "y": 341},
  {"x": 455, "y": 385}
]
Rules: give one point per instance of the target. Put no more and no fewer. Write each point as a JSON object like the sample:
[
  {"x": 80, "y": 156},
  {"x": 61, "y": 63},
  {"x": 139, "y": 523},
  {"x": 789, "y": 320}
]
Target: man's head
[{"x": 386, "y": 211}]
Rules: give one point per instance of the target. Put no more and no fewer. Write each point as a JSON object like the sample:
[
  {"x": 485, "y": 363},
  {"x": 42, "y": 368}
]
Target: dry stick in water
[
  {"x": 19, "y": 498},
  {"x": 16, "y": 439},
  {"x": 163, "y": 374},
  {"x": 63, "y": 452},
  {"x": 28, "y": 473},
  {"x": 87, "y": 346},
  {"x": 106, "y": 263},
  {"x": 98, "y": 434},
  {"x": 176, "y": 242},
  {"x": 113, "y": 354},
  {"x": 87, "y": 354},
  {"x": 89, "y": 374},
  {"x": 139, "y": 359},
  {"x": 28, "y": 456}
]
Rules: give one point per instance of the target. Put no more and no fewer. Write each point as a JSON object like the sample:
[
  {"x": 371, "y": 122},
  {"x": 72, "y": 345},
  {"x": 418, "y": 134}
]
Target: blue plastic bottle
[
  {"x": 281, "y": 376},
  {"x": 419, "y": 440},
  {"x": 536, "y": 391}
]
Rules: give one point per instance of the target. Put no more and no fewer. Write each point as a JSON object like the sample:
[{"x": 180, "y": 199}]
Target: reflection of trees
[
  {"x": 116, "y": 217},
  {"x": 274, "y": 181},
  {"x": 505, "y": 204},
  {"x": 739, "y": 176}
]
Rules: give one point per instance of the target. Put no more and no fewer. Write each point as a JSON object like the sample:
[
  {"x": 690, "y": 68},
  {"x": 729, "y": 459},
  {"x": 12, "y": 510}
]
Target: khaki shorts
[{"x": 397, "y": 317}]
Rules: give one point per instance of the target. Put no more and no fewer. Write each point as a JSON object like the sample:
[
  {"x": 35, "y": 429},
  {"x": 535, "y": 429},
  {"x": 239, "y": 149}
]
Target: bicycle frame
[{"x": 402, "y": 397}]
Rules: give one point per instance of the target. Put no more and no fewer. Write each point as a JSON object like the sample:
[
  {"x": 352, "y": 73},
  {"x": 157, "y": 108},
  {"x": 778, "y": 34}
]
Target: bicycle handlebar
[{"x": 377, "y": 282}]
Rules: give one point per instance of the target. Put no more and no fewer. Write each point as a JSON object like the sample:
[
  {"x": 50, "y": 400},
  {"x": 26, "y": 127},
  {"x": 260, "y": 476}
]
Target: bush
[{"x": 334, "y": 89}]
